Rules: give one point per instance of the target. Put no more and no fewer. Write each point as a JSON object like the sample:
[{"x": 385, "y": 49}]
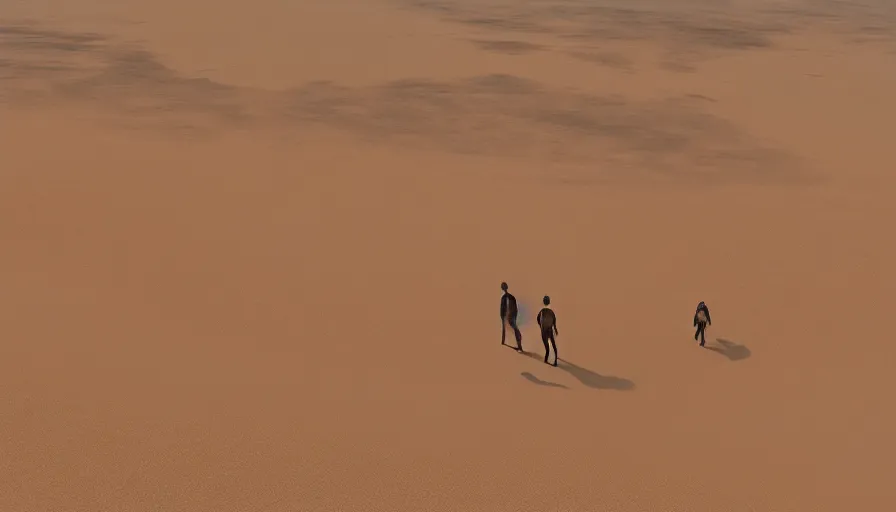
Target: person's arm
[
  {"x": 538, "y": 318},
  {"x": 695, "y": 318},
  {"x": 503, "y": 307},
  {"x": 556, "y": 332},
  {"x": 708, "y": 318}
]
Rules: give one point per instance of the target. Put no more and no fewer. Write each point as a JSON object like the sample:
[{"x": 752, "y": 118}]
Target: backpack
[
  {"x": 547, "y": 319},
  {"x": 701, "y": 315}
]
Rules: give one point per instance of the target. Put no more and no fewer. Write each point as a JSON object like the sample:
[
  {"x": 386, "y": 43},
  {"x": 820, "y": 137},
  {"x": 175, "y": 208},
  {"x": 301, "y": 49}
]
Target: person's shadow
[
  {"x": 587, "y": 377},
  {"x": 535, "y": 380},
  {"x": 593, "y": 379},
  {"x": 731, "y": 350}
]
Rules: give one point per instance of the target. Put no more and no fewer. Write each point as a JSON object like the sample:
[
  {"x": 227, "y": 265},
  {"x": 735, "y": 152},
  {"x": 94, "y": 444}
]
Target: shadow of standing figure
[
  {"x": 595, "y": 380},
  {"x": 589, "y": 378},
  {"x": 535, "y": 380},
  {"x": 731, "y": 350}
]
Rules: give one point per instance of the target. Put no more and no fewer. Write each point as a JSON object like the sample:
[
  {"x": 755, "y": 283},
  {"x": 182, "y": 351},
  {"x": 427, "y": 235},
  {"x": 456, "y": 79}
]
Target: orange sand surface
[{"x": 251, "y": 255}]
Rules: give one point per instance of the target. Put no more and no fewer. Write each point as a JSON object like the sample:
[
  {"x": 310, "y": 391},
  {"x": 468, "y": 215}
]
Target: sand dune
[{"x": 252, "y": 254}]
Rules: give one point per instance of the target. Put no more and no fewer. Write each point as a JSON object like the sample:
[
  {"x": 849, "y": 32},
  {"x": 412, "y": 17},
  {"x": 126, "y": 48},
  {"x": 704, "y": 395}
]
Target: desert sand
[{"x": 251, "y": 255}]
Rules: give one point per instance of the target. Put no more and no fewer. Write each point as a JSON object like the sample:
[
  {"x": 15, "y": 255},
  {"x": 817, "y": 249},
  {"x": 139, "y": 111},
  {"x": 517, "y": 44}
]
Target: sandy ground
[{"x": 251, "y": 255}]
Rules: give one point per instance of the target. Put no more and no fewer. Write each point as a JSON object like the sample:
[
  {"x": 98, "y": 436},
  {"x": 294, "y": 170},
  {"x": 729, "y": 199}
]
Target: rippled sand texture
[{"x": 251, "y": 255}]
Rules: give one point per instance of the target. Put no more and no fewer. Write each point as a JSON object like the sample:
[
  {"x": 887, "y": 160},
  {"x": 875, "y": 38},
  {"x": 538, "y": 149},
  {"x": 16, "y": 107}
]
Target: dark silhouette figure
[
  {"x": 701, "y": 319},
  {"x": 509, "y": 312},
  {"x": 547, "y": 320}
]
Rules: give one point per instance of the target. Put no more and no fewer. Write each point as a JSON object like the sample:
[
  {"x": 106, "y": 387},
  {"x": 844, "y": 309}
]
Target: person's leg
[
  {"x": 554, "y": 344},
  {"x": 697, "y": 332},
  {"x": 547, "y": 348},
  {"x": 517, "y": 334},
  {"x": 702, "y": 335}
]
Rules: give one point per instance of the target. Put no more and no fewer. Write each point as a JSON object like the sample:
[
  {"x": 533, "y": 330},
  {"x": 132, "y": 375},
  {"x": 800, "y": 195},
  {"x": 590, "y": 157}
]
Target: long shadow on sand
[
  {"x": 535, "y": 380},
  {"x": 587, "y": 377},
  {"x": 731, "y": 350},
  {"x": 595, "y": 380}
]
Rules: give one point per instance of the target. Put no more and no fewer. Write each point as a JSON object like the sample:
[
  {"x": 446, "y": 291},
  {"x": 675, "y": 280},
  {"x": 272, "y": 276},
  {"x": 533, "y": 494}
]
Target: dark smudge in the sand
[
  {"x": 513, "y": 117},
  {"x": 608, "y": 59},
  {"x": 508, "y": 47},
  {"x": 28, "y": 37},
  {"x": 495, "y": 115},
  {"x": 688, "y": 30}
]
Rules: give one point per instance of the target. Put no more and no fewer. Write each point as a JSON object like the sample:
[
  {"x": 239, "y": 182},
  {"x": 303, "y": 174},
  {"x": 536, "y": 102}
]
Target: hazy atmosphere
[{"x": 252, "y": 254}]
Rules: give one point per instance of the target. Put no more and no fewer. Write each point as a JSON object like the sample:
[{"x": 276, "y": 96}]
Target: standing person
[
  {"x": 509, "y": 312},
  {"x": 547, "y": 320},
  {"x": 701, "y": 319}
]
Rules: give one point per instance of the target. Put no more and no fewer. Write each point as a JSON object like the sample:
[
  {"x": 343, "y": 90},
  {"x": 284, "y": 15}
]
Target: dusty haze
[{"x": 251, "y": 255}]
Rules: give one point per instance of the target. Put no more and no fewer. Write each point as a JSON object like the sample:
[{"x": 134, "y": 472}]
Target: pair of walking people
[{"x": 546, "y": 319}]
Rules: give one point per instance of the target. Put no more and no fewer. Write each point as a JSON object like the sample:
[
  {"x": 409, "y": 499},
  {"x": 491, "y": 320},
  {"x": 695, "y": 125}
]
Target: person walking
[
  {"x": 509, "y": 312},
  {"x": 547, "y": 320},
  {"x": 701, "y": 320}
]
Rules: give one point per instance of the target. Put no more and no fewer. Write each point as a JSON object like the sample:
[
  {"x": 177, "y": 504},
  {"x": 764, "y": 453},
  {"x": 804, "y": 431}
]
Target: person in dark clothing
[
  {"x": 509, "y": 312},
  {"x": 701, "y": 320},
  {"x": 547, "y": 320}
]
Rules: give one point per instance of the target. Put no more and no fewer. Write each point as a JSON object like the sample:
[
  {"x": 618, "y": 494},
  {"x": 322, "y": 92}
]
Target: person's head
[
  {"x": 701, "y": 305},
  {"x": 504, "y": 286},
  {"x": 546, "y": 300}
]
